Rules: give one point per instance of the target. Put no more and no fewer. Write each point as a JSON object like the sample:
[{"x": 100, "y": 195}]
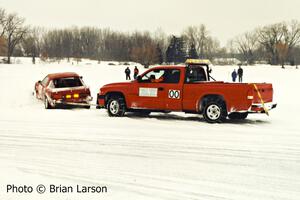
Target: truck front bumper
[{"x": 100, "y": 101}]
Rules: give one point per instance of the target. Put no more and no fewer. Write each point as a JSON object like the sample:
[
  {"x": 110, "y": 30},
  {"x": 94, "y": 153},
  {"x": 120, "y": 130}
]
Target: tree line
[{"x": 274, "y": 44}]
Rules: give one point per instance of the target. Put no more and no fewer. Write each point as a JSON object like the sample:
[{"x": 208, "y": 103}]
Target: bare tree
[
  {"x": 14, "y": 33},
  {"x": 199, "y": 36},
  {"x": 246, "y": 45},
  {"x": 2, "y": 21},
  {"x": 273, "y": 36},
  {"x": 282, "y": 51},
  {"x": 32, "y": 42}
]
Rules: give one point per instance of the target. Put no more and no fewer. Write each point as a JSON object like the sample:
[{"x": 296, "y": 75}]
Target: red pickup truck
[{"x": 189, "y": 89}]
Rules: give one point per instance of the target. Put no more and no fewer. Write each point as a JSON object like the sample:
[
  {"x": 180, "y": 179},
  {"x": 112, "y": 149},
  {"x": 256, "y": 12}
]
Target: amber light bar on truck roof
[{"x": 198, "y": 61}]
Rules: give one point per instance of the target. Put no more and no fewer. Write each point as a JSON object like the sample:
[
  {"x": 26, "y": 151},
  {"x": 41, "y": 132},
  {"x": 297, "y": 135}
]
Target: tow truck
[{"x": 188, "y": 88}]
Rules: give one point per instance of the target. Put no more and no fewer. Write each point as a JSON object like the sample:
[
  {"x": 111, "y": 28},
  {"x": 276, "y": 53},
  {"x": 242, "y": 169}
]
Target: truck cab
[{"x": 186, "y": 88}]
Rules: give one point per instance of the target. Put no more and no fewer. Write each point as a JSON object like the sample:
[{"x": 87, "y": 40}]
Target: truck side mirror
[{"x": 139, "y": 79}]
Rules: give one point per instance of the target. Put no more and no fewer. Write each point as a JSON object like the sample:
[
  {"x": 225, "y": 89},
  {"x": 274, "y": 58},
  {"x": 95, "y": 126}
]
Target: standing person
[
  {"x": 240, "y": 73},
  {"x": 127, "y": 72},
  {"x": 135, "y": 72},
  {"x": 234, "y": 75}
]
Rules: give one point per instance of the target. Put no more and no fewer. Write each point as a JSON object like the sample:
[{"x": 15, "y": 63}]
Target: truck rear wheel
[
  {"x": 215, "y": 111},
  {"x": 116, "y": 107},
  {"x": 237, "y": 115}
]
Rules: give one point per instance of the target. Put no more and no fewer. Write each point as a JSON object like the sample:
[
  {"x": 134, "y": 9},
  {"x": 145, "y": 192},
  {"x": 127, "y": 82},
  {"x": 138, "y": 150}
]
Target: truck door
[
  {"x": 147, "y": 91},
  {"x": 158, "y": 90},
  {"x": 172, "y": 90}
]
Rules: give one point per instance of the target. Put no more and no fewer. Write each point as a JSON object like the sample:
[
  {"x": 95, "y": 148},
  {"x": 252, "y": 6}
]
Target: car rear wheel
[
  {"x": 116, "y": 107},
  {"x": 237, "y": 115},
  {"x": 215, "y": 111}
]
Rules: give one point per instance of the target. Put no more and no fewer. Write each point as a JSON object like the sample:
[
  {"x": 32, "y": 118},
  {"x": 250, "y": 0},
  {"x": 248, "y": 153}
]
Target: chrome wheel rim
[
  {"x": 114, "y": 107},
  {"x": 213, "y": 112}
]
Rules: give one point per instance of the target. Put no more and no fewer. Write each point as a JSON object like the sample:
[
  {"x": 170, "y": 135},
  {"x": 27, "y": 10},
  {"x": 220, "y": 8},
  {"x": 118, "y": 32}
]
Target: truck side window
[
  {"x": 153, "y": 76},
  {"x": 162, "y": 76},
  {"x": 172, "y": 76},
  {"x": 195, "y": 74}
]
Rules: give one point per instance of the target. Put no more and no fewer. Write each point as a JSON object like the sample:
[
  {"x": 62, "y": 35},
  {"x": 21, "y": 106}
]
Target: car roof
[{"x": 62, "y": 75}]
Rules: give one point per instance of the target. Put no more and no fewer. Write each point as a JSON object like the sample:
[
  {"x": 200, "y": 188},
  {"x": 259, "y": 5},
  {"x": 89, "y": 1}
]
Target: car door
[{"x": 41, "y": 87}]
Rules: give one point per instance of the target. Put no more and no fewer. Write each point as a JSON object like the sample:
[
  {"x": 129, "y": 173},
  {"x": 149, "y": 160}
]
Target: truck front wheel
[
  {"x": 116, "y": 107},
  {"x": 215, "y": 111}
]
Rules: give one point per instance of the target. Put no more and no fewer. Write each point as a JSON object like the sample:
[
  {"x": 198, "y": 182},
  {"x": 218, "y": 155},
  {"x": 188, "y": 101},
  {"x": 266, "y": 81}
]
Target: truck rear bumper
[{"x": 259, "y": 108}]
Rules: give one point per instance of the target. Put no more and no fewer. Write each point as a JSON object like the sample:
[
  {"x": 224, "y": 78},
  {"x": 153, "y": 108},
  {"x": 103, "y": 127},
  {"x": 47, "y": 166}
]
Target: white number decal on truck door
[{"x": 174, "y": 94}]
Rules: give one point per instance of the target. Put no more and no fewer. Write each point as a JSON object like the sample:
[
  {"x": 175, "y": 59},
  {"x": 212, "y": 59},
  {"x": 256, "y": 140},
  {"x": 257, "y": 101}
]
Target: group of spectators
[
  {"x": 238, "y": 73},
  {"x": 128, "y": 72}
]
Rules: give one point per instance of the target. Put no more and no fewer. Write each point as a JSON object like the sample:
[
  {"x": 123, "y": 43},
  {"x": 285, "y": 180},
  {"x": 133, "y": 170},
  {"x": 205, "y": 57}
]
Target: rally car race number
[{"x": 174, "y": 94}]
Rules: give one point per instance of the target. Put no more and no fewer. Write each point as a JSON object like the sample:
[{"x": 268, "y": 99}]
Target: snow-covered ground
[{"x": 165, "y": 156}]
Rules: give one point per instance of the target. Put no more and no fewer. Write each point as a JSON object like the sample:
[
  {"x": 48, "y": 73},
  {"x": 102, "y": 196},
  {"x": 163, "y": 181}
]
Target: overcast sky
[{"x": 223, "y": 18}]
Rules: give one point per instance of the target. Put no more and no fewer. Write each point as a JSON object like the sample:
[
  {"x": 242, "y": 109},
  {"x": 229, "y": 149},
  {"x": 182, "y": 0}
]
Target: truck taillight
[
  {"x": 250, "y": 94},
  {"x": 76, "y": 96},
  {"x": 68, "y": 96}
]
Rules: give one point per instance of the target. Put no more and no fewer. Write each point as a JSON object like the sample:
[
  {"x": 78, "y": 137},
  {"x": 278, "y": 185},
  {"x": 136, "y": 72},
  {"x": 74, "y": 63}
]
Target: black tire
[
  {"x": 87, "y": 107},
  {"x": 47, "y": 104},
  {"x": 142, "y": 113},
  {"x": 237, "y": 115},
  {"x": 116, "y": 107},
  {"x": 215, "y": 110}
]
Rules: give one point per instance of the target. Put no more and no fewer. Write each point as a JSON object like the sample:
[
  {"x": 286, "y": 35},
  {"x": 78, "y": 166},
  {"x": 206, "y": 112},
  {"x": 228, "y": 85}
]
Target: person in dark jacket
[
  {"x": 234, "y": 75},
  {"x": 135, "y": 72},
  {"x": 240, "y": 74},
  {"x": 127, "y": 72}
]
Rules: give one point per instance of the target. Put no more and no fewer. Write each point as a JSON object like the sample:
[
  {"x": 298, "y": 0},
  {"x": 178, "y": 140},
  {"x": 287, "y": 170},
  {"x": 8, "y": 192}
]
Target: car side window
[
  {"x": 44, "y": 81},
  {"x": 51, "y": 85}
]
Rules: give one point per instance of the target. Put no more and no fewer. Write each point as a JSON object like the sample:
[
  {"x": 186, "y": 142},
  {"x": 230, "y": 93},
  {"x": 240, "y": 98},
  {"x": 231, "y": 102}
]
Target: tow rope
[{"x": 261, "y": 100}]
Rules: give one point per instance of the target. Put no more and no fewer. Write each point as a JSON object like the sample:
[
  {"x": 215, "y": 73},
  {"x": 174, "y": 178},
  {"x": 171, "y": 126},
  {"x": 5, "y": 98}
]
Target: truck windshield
[{"x": 67, "y": 82}]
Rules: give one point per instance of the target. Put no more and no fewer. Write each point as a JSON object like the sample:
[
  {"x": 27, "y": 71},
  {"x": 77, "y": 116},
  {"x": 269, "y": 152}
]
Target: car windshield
[{"x": 67, "y": 82}]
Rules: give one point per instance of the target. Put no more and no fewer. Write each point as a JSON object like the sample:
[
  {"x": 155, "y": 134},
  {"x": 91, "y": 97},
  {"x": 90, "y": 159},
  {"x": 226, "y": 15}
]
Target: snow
[{"x": 164, "y": 156}]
